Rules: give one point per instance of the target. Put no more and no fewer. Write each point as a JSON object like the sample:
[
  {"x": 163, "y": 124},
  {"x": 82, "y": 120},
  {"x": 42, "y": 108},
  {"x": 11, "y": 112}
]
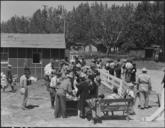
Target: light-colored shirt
[
  {"x": 144, "y": 82},
  {"x": 48, "y": 69},
  {"x": 23, "y": 81},
  {"x": 128, "y": 65},
  {"x": 75, "y": 85},
  {"x": 53, "y": 82},
  {"x": 112, "y": 65},
  {"x": 64, "y": 87},
  {"x": 130, "y": 93},
  {"x": 3, "y": 80}
]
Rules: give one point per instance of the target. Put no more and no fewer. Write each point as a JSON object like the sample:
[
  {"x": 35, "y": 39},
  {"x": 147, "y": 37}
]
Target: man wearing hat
[
  {"x": 53, "y": 83},
  {"x": 24, "y": 83},
  {"x": 47, "y": 72},
  {"x": 128, "y": 72},
  {"x": 123, "y": 68},
  {"x": 118, "y": 69},
  {"x": 144, "y": 85},
  {"x": 83, "y": 92},
  {"x": 3, "y": 81},
  {"x": 130, "y": 93},
  {"x": 97, "y": 80},
  {"x": 159, "y": 113},
  {"x": 64, "y": 87},
  {"x": 112, "y": 68},
  {"x": 9, "y": 77}
]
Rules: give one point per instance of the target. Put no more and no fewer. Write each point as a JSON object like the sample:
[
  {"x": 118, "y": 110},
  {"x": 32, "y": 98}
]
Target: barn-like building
[{"x": 36, "y": 49}]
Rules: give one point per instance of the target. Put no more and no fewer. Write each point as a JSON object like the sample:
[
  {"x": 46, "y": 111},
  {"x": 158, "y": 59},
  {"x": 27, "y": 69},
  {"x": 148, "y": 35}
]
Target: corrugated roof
[{"x": 33, "y": 40}]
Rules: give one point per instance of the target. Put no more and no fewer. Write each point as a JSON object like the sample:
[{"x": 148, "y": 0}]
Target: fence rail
[{"x": 110, "y": 81}]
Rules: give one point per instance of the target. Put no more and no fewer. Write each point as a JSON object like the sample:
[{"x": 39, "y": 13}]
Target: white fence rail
[{"x": 110, "y": 81}]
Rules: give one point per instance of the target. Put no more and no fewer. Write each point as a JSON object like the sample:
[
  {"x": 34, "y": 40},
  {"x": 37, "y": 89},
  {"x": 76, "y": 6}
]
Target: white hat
[
  {"x": 144, "y": 70},
  {"x": 129, "y": 65}
]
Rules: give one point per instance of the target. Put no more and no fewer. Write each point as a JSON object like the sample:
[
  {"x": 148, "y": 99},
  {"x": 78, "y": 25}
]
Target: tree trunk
[
  {"x": 107, "y": 51},
  {"x": 115, "y": 49}
]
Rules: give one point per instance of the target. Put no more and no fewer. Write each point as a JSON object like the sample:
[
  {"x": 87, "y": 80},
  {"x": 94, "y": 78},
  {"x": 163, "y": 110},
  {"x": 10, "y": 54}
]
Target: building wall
[
  {"x": 162, "y": 58},
  {"x": 17, "y": 56},
  {"x": 90, "y": 48},
  {"x": 139, "y": 54}
]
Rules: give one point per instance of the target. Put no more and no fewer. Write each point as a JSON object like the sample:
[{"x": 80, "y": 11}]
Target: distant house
[
  {"x": 37, "y": 49},
  {"x": 100, "y": 47},
  {"x": 152, "y": 51},
  {"x": 138, "y": 53},
  {"x": 90, "y": 48},
  {"x": 162, "y": 52},
  {"x": 79, "y": 47},
  {"x": 148, "y": 52}
]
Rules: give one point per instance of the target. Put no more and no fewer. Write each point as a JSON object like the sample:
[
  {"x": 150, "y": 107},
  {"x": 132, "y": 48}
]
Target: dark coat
[
  {"x": 111, "y": 71},
  {"x": 83, "y": 92},
  {"x": 9, "y": 75},
  {"x": 133, "y": 74},
  {"x": 163, "y": 80},
  {"x": 118, "y": 71}
]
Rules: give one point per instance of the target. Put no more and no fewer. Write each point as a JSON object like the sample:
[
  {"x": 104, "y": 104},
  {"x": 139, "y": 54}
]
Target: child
[
  {"x": 92, "y": 112},
  {"x": 9, "y": 77},
  {"x": 25, "y": 82},
  {"x": 3, "y": 81},
  {"x": 131, "y": 94}
]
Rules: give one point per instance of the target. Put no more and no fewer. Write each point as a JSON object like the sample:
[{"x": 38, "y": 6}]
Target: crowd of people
[
  {"x": 122, "y": 69},
  {"x": 139, "y": 84},
  {"x": 76, "y": 80},
  {"x": 79, "y": 82},
  {"x": 8, "y": 80},
  {"x": 71, "y": 81}
]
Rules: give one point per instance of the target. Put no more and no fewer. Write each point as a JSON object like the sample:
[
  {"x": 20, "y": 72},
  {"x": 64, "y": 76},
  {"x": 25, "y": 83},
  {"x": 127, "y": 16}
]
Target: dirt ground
[{"x": 41, "y": 115}]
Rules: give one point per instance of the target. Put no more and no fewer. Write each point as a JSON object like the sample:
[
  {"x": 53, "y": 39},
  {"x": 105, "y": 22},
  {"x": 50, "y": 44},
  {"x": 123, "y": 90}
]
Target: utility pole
[{"x": 64, "y": 20}]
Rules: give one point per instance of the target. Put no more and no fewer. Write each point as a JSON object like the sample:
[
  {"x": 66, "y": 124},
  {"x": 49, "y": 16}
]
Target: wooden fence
[{"x": 110, "y": 81}]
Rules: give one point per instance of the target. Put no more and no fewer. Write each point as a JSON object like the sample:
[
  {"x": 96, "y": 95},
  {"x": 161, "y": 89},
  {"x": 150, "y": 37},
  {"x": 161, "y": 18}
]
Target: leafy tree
[
  {"x": 146, "y": 27},
  {"x": 122, "y": 27},
  {"x": 36, "y": 25},
  {"x": 78, "y": 25}
]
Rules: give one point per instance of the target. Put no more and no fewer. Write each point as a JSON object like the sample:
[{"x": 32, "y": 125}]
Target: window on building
[
  {"x": 4, "y": 57},
  {"x": 36, "y": 58}
]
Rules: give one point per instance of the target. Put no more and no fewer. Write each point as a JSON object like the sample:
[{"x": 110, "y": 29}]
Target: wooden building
[
  {"x": 162, "y": 52},
  {"x": 137, "y": 53},
  {"x": 36, "y": 49}
]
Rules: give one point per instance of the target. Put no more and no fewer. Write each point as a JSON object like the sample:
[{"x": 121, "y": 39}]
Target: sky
[{"x": 27, "y": 8}]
